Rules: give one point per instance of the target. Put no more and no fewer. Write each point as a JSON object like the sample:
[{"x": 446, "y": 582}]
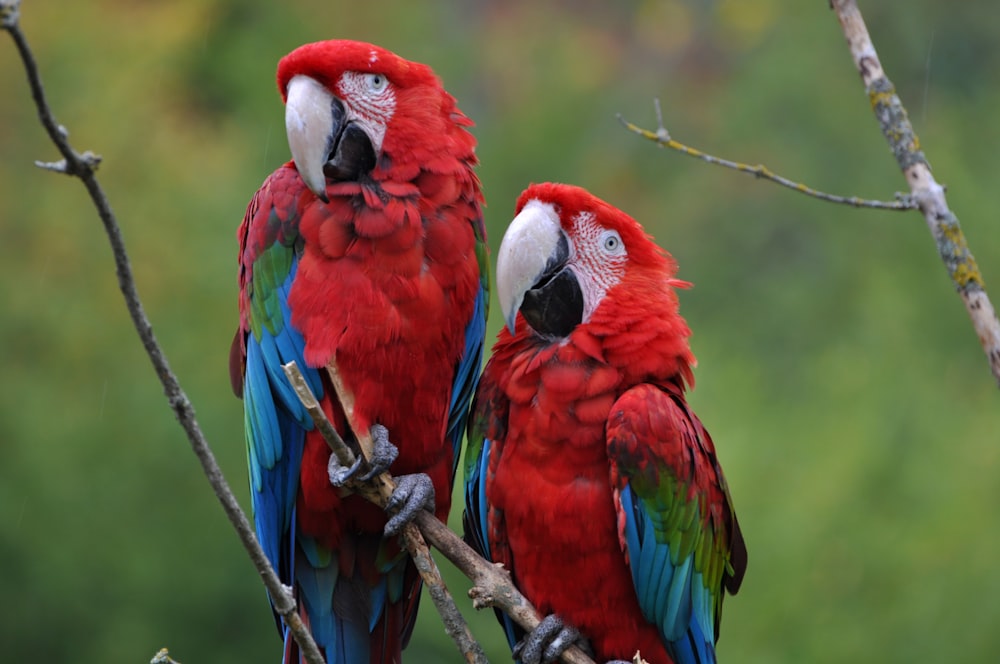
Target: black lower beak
[
  {"x": 351, "y": 152},
  {"x": 554, "y": 307}
]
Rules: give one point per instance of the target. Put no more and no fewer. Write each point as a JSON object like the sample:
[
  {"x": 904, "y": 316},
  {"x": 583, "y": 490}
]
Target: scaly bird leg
[
  {"x": 548, "y": 641},
  {"x": 413, "y": 493}
]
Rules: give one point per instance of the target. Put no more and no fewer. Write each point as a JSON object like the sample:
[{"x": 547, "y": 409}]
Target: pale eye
[
  {"x": 611, "y": 243},
  {"x": 377, "y": 82}
]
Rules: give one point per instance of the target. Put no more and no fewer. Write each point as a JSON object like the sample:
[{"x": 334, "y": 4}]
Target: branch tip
[
  {"x": 10, "y": 13},
  {"x": 162, "y": 656},
  {"x": 54, "y": 166}
]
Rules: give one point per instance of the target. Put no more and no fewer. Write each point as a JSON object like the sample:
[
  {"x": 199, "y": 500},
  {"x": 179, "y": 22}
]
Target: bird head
[
  {"x": 563, "y": 254},
  {"x": 350, "y": 105}
]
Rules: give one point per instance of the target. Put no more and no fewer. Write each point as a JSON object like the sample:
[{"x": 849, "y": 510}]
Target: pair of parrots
[{"x": 587, "y": 475}]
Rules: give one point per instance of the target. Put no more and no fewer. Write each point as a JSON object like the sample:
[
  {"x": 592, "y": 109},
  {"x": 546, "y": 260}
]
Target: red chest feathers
[{"x": 388, "y": 290}]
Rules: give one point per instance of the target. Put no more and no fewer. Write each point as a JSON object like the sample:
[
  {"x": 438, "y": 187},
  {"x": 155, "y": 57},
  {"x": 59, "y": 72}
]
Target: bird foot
[
  {"x": 383, "y": 454},
  {"x": 412, "y": 494},
  {"x": 548, "y": 641},
  {"x": 340, "y": 475}
]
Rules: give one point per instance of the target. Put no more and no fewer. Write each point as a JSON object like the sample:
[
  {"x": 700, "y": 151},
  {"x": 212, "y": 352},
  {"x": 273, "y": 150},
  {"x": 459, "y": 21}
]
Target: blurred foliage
[{"x": 840, "y": 377}]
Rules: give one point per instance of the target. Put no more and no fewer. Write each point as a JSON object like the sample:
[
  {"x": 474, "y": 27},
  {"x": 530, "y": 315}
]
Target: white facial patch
[
  {"x": 600, "y": 260},
  {"x": 370, "y": 101}
]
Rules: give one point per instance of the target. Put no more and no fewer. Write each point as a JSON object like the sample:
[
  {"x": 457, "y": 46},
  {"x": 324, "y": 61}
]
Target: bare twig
[
  {"x": 83, "y": 166},
  {"x": 925, "y": 191},
  {"x": 492, "y": 585},
  {"x": 662, "y": 138}
]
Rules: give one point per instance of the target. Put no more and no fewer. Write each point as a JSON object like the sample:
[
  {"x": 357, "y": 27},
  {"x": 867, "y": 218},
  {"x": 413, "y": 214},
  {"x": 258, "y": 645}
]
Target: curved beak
[
  {"x": 532, "y": 272},
  {"x": 326, "y": 140},
  {"x": 312, "y": 128}
]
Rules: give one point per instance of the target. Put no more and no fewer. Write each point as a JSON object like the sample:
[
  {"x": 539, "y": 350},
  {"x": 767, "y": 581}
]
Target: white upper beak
[
  {"x": 525, "y": 251},
  {"x": 309, "y": 125}
]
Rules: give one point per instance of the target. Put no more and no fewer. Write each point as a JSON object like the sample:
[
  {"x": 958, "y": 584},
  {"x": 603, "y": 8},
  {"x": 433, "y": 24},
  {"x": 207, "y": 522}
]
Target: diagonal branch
[
  {"x": 491, "y": 584},
  {"x": 925, "y": 190},
  {"x": 83, "y": 166}
]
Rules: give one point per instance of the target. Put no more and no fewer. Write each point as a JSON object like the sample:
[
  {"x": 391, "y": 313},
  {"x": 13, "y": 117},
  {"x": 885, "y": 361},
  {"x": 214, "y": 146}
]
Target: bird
[
  {"x": 367, "y": 251},
  {"x": 588, "y": 475}
]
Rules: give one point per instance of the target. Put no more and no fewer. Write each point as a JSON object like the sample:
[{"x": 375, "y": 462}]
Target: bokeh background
[{"x": 850, "y": 401}]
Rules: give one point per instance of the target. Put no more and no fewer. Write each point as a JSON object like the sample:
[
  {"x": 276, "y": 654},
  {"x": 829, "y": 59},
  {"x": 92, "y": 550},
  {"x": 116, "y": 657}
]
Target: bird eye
[
  {"x": 611, "y": 242},
  {"x": 377, "y": 82}
]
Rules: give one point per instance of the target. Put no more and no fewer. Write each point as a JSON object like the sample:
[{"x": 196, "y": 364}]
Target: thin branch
[
  {"x": 662, "y": 138},
  {"x": 492, "y": 584},
  {"x": 83, "y": 166},
  {"x": 925, "y": 190}
]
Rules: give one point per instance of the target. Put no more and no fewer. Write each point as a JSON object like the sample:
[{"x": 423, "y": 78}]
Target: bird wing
[{"x": 677, "y": 527}]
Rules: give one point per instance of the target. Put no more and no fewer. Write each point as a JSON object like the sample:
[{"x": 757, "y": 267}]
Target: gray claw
[
  {"x": 546, "y": 642},
  {"x": 339, "y": 475},
  {"x": 413, "y": 493},
  {"x": 383, "y": 455}
]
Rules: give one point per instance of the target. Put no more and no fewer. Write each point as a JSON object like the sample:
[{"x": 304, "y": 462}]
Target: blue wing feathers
[
  {"x": 671, "y": 593},
  {"x": 276, "y": 424},
  {"x": 475, "y": 501},
  {"x": 467, "y": 374},
  {"x": 678, "y": 601},
  {"x": 662, "y": 536}
]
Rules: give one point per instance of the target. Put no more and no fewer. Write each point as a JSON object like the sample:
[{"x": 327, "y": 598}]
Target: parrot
[
  {"x": 368, "y": 250},
  {"x": 587, "y": 475}
]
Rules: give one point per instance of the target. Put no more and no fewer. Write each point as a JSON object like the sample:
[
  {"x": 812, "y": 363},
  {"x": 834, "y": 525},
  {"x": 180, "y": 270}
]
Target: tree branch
[
  {"x": 492, "y": 584},
  {"x": 925, "y": 190},
  {"x": 662, "y": 138},
  {"x": 83, "y": 166}
]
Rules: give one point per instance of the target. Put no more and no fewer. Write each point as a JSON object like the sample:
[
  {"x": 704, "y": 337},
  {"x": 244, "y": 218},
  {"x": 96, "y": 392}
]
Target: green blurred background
[{"x": 850, "y": 401}]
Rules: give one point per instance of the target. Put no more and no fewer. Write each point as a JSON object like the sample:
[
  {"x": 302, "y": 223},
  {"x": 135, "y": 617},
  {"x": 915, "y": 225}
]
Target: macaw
[
  {"x": 587, "y": 474},
  {"x": 367, "y": 249}
]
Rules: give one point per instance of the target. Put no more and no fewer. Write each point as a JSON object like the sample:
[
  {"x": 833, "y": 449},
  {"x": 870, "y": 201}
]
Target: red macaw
[
  {"x": 587, "y": 474},
  {"x": 367, "y": 249}
]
